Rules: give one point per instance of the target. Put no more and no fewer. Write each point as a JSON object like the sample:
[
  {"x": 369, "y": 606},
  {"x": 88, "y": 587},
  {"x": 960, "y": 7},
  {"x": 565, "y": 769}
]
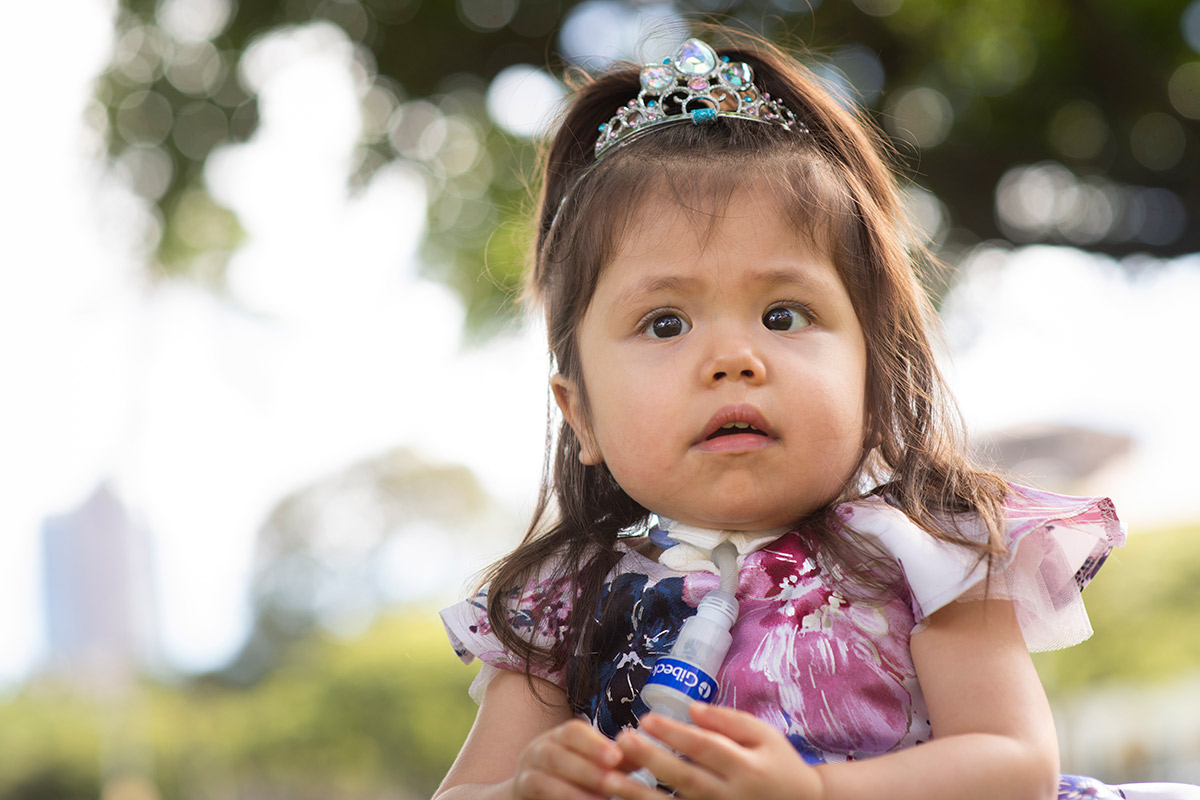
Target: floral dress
[{"x": 833, "y": 673}]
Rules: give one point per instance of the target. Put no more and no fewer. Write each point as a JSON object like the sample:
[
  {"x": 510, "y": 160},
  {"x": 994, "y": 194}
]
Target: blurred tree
[
  {"x": 323, "y": 552},
  {"x": 382, "y": 714},
  {"x": 1070, "y": 121},
  {"x": 1145, "y": 608},
  {"x": 377, "y": 716}
]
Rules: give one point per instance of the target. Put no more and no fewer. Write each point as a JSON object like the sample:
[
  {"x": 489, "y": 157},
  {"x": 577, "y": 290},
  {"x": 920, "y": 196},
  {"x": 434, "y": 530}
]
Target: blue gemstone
[
  {"x": 738, "y": 75},
  {"x": 704, "y": 116}
]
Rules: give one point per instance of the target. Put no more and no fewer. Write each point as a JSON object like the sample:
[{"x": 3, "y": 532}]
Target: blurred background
[{"x": 271, "y": 401}]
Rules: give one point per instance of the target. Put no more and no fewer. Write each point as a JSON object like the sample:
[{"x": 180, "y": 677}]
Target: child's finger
[
  {"x": 571, "y": 755},
  {"x": 688, "y": 780},
  {"x": 745, "y": 729},
  {"x": 545, "y": 786},
  {"x": 588, "y": 742},
  {"x": 712, "y": 750},
  {"x": 618, "y": 784}
]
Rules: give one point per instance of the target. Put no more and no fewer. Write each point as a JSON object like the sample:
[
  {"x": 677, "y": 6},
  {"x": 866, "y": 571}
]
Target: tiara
[{"x": 697, "y": 86}]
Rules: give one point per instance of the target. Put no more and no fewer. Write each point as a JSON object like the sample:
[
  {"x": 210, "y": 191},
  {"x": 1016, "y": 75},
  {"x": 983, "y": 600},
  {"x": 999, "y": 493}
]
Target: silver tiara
[{"x": 697, "y": 86}]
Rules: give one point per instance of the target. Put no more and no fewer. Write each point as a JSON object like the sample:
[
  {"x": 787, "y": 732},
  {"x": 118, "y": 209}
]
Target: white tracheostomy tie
[{"x": 693, "y": 551}]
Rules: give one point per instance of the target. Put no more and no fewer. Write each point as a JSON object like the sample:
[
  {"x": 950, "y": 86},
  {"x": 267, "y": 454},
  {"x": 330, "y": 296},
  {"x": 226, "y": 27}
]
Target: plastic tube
[
  {"x": 725, "y": 557},
  {"x": 688, "y": 673}
]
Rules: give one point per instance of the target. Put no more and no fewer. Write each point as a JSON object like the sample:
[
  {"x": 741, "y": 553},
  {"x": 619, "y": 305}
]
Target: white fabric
[
  {"x": 1055, "y": 544},
  {"x": 480, "y": 684},
  {"x": 694, "y": 551},
  {"x": 937, "y": 572}
]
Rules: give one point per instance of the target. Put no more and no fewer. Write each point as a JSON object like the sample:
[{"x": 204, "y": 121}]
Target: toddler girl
[{"x": 742, "y": 355}]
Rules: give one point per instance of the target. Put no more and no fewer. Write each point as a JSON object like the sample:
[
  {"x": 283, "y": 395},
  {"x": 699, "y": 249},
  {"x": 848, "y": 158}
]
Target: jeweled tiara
[{"x": 697, "y": 86}]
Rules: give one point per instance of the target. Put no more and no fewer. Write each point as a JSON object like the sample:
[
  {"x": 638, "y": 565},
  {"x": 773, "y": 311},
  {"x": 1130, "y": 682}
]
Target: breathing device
[{"x": 688, "y": 673}]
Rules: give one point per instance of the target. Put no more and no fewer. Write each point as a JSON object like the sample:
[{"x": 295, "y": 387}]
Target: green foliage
[
  {"x": 51, "y": 745},
  {"x": 382, "y": 715},
  {"x": 1104, "y": 91},
  {"x": 387, "y": 711},
  {"x": 1145, "y": 609}
]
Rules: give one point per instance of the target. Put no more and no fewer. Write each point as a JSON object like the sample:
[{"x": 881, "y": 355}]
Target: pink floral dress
[{"x": 834, "y": 674}]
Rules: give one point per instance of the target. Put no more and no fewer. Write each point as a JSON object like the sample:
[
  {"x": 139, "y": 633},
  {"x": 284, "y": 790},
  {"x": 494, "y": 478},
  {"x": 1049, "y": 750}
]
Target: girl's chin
[{"x": 747, "y": 523}]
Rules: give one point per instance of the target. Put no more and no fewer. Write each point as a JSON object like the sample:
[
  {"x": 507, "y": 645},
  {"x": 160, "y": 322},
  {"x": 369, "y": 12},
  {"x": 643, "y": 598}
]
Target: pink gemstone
[{"x": 698, "y": 84}]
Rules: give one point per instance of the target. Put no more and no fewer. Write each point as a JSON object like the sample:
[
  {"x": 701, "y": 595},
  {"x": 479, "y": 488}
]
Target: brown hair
[{"x": 837, "y": 187}]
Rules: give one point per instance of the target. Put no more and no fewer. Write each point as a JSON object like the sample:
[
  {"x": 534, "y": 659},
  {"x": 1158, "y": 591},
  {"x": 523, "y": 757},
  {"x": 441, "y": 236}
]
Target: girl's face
[{"x": 724, "y": 366}]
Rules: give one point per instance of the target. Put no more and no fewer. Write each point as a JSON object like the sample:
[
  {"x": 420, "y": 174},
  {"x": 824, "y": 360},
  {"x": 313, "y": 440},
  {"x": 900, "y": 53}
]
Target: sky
[
  {"x": 202, "y": 414},
  {"x": 205, "y": 413}
]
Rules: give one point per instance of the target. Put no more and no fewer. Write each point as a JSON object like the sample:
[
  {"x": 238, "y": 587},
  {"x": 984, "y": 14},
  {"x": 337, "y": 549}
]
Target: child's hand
[
  {"x": 733, "y": 756},
  {"x": 570, "y": 761}
]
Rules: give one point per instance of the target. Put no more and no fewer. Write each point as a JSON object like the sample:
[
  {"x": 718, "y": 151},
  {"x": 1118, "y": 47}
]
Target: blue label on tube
[{"x": 682, "y": 676}]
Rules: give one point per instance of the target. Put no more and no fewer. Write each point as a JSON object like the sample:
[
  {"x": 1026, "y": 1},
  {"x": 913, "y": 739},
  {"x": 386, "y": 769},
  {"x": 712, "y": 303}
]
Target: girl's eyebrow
[
  {"x": 655, "y": 284},
  {"x": 805, "y": 280}
]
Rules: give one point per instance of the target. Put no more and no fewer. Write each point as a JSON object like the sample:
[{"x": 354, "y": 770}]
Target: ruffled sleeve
[
  {"x": 1056, "y": 544},
  {"x": 472, "y": 636}
]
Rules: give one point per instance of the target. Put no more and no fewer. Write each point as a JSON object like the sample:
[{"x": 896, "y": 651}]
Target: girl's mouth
[{"x": 734, "y": 428}]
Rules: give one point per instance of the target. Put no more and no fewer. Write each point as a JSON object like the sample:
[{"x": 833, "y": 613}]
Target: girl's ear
[{"x": 570, "y": 403}]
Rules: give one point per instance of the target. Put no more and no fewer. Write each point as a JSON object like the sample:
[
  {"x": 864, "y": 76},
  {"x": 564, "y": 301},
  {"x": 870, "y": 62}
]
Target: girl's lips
[
  {"x": 735, "y": 443},
  {"x": 762, "y": 436}
]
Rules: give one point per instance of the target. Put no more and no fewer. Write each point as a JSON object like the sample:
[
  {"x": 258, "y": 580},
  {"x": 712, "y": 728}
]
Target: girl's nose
[{"x": 737, "y": 362}]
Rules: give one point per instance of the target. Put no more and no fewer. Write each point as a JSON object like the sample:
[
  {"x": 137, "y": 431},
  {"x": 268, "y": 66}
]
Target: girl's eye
[
  {"x": 667, "y": 326},
  {"x": 785, "y": 318}
]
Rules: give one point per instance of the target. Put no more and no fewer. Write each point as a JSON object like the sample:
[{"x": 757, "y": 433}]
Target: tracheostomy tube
[{"x": 687, "y": 674}]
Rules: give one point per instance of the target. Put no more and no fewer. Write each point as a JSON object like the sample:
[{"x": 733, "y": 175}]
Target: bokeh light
[
  {"x": 138, "y": 53},
  {"x": 879, "y": 8},
  {"x": 1047, "y": 201},
  {"x": 1184, "y": 89},
  {"x": 998, "y": 62},
  {"x": 196, "y": 69},
  {"x": 199, "y": 127},
  {"x": 928, "y": 216},
  {"x": 523, "y": 100},
  {"x": 147, "y": 169},
  {"x": 349, "y": 15},
  {"x": 417, "y": 129},
  {"x": 795, "y": 6},
  {"x": 1078, "y": 131},
  {"x": 855, "y": 74},
  {"x": 596, "y": 33},
  {"x": 194, "y": 21},
  {"x": 144, "y": 118},
  {"x": 920, "y": 115},
  {"x": 1190, "y": 23},
  {"x": 486, "y": 15},
  {"x": 1158, "y": 141}
]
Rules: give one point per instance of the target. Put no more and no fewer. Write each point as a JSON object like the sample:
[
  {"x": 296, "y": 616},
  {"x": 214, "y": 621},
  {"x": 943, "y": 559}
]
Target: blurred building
[
  {"x": 1059, "y": 458},
  {"x": 98, "y": 592}
]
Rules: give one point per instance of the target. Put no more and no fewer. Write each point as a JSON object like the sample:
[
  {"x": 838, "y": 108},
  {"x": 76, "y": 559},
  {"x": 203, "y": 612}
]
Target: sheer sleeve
[
  {"x": 472, "y": 636},
  {"x": 1056, "y": 544}
]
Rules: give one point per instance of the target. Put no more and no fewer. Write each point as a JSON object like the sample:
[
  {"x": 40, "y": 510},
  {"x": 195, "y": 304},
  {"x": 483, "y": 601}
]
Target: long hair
[{"x": 835, "y": 185}]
